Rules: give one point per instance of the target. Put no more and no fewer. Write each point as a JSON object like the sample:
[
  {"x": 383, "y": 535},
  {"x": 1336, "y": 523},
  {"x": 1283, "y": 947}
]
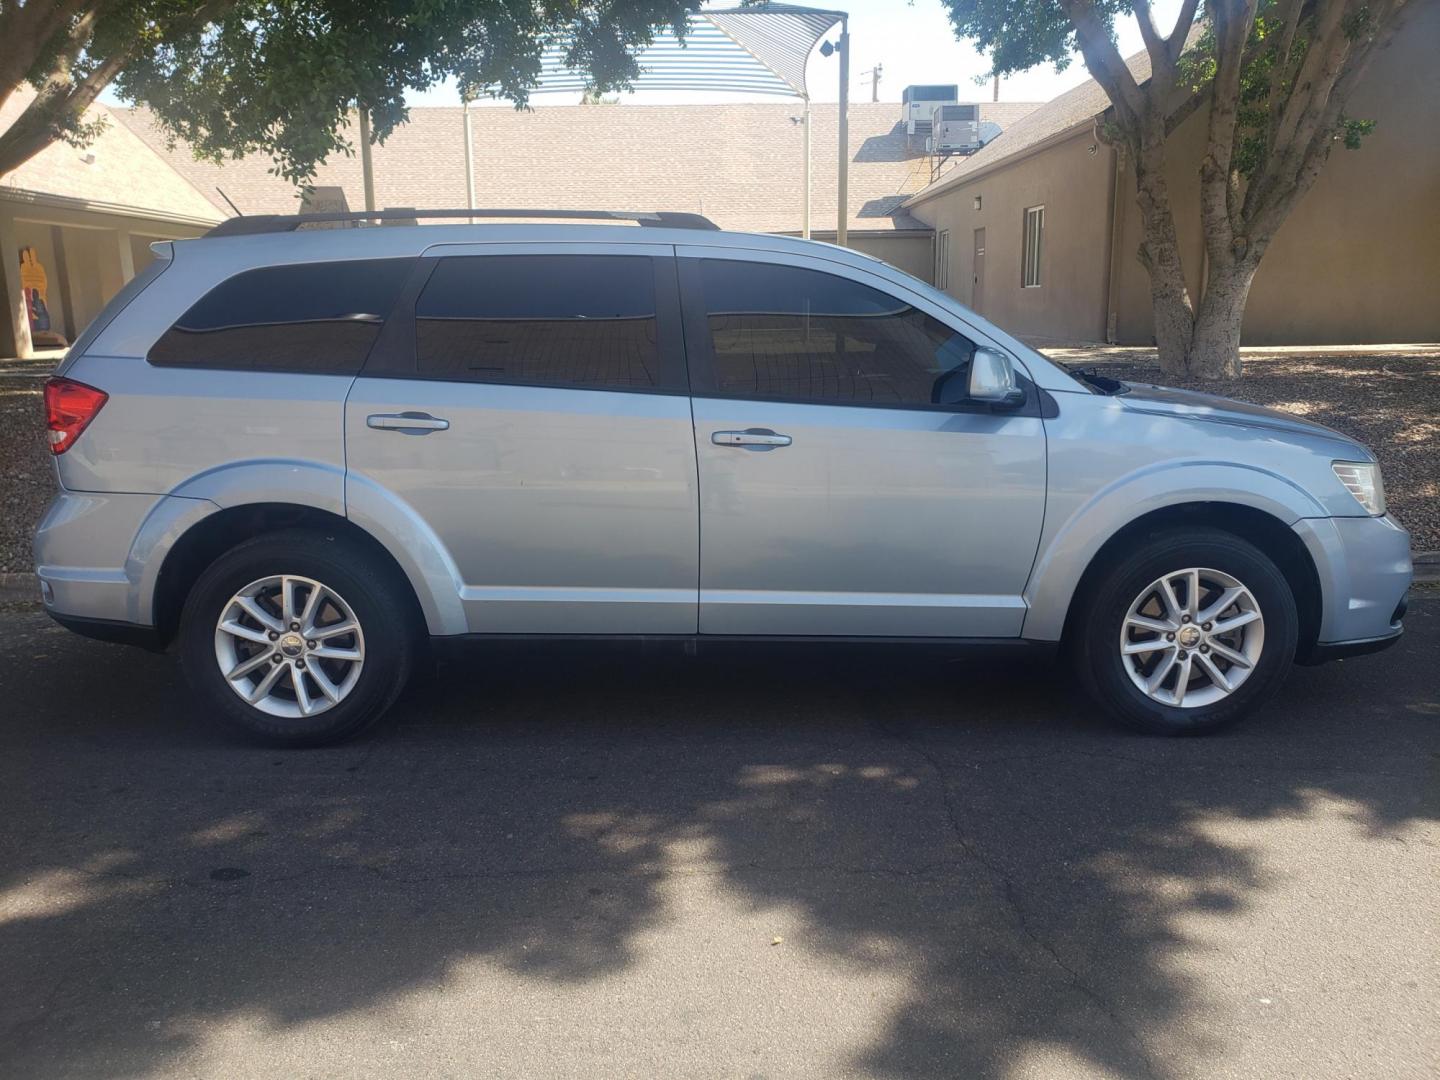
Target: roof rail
[{"x": 253, "y": 224}]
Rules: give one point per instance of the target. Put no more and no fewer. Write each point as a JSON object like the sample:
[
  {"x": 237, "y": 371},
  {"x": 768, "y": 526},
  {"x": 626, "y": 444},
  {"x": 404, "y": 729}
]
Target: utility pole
[
  {"x": 874, "y": 73},
  {"x": 367, "y": 167},
  {"x": 995, "y": 93},
  {"x": 469, "y": 162}
]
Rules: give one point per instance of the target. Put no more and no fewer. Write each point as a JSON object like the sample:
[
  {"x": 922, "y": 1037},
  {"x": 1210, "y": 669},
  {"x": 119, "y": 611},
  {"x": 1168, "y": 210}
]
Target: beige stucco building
[
  {"x": 1357, "y": 261},
  {"x": 90, "y": 215}
]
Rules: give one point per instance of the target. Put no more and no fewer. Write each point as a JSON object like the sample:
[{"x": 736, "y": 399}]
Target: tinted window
[
  {"x": 546, "y": 320},
  {"x": 320, "y": 317},
  {"x": 804, "y": 335}
]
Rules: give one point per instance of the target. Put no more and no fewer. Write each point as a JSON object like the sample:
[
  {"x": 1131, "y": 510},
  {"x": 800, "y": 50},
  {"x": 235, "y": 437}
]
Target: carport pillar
[
  {"x": 127, "y": 256},
  {"x": 14, "y": 319}
]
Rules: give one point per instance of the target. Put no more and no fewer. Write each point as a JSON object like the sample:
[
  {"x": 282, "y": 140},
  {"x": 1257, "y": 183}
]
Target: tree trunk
[
  {"x": 1160, "y": 255},
  {"x": 1215, "y": 344}
]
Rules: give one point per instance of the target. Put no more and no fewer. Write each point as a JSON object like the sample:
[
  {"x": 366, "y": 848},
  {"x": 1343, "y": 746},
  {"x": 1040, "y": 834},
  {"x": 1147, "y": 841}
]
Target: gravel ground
[
  {"x": 1389, "y": 400},
  {"x": 27, "y": 477}
]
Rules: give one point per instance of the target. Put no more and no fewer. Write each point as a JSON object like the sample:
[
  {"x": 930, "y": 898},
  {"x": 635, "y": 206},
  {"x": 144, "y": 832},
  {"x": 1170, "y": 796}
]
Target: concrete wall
[{"x": 1072, "y": 182}]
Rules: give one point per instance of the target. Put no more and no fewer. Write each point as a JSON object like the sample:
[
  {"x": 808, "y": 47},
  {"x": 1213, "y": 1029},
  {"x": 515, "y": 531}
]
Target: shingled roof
[
  {"x": 739, "y": 164},
  {"x": 117, "y": 172}
]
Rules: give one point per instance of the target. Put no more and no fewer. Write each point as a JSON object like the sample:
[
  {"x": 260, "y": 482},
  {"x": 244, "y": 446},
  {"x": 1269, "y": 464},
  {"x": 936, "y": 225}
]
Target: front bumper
[{"x": 1364, "y": 568}]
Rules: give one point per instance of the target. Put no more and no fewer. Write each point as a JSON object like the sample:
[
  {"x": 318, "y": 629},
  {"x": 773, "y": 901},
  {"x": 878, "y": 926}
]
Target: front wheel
[
  {"x": 297, "y": 638},
  {"x": 1187, "y": 634}
]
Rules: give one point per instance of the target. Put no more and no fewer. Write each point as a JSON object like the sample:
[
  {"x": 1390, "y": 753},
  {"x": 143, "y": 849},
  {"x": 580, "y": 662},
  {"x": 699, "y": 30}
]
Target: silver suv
[{"x": 300, "y": 454}]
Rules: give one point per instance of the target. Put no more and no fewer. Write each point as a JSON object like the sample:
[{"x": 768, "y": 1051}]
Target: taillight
[{"x": 69, "y": 408}]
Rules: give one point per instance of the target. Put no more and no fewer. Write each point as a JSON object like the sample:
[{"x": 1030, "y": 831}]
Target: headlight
[{"x": 1362, "y": 479}]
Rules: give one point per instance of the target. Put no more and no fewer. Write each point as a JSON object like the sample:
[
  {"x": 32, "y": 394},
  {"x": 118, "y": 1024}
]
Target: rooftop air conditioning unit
[
  {"x": 956, "y": 129},
  {"x": 917, "y": 105}
]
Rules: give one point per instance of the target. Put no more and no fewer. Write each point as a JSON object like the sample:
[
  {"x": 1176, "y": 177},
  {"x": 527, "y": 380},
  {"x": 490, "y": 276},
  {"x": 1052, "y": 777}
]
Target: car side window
[
  {"x": 307, "y": 317},
  {"x": 584, "y": 321},
  {"x": 796, "y": 334}
]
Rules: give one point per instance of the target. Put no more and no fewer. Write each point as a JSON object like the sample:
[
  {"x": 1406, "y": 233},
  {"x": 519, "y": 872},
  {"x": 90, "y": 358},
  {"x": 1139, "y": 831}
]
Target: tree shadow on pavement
[{"x": 970, "y": 828}]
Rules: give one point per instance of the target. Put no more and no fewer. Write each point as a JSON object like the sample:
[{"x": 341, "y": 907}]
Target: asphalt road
[{"x": 594, "y": 863}]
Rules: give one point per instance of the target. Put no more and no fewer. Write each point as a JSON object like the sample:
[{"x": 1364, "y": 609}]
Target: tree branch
[
  {"x": 1175, "y": 43},
  {"x": 1272, "y": 203},
  {"x": 1106, "y": 64}
]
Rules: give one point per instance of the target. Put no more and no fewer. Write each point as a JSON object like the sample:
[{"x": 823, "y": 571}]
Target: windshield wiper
[{"x": 1092, "y": 377}]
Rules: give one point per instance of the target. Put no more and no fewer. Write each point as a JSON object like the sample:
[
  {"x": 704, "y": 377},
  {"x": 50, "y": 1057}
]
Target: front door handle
[
  {"x": 750, "y": 439},
  {"x": 407, "y": 423}
]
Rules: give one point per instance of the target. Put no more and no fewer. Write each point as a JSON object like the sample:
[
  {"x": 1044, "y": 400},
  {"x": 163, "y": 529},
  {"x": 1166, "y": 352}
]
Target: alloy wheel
[
  {"x": 1192, "y": 638},
  {"x": 289, "y": 646}
]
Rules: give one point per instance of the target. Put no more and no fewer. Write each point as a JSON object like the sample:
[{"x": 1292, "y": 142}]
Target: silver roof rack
[{"x": 254, "y": 224}]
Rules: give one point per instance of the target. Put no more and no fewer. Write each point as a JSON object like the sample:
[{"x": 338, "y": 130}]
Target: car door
[
  {"x": 528, "y": 409},
  {"x": 846, "y": 486}
]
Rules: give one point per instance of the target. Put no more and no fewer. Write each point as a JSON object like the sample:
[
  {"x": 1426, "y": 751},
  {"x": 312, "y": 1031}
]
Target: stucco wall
[
  {"x": 1073, "y": 184},
  {"x": 1359, "y": 259},
  {"x": 908, "y": 251}
]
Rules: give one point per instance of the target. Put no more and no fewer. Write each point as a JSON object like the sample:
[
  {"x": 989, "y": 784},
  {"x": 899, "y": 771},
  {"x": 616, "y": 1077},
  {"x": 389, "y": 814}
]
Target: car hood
[{"x": 1193, "y": 405}]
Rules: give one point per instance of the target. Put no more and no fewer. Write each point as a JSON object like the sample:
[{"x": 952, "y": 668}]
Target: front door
[
  {"x": 846, "y": 486},
  {"x": 977, "y": 281},
  {"x": 533, "y": 417}
]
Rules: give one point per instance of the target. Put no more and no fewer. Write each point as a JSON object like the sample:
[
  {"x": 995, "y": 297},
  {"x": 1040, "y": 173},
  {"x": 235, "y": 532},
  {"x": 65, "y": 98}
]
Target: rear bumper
[
  {"x": 121, "y": 633},
  {"x": 98, "y": 555}
]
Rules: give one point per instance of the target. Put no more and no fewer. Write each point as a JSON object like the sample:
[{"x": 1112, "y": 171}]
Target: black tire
[
  {"x": 382, "y": 604},
  {"x": 1096, "y": 632}
]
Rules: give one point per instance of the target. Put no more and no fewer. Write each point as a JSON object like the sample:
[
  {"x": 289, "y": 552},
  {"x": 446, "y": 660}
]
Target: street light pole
[
  {"x": 843, "y": 194},
  {"x": 805, "y": 214}
]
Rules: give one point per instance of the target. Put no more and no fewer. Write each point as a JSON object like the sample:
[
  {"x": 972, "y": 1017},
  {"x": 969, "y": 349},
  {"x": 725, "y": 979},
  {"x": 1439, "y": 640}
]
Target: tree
[
  {"x": 1276, "y": 75},
  {"x": 233, "y": 77}
]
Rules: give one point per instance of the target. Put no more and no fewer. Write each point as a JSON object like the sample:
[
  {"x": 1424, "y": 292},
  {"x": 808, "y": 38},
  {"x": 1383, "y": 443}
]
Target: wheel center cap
[
  {"x": 292, "y": 645},
  {"x": 1189, "y": 636}
]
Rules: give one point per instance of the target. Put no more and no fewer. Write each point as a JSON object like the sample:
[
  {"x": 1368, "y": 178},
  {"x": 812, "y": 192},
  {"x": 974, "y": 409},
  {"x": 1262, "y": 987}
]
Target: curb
[
  {"x": 19, "y": 588},
  {"x": 1427, "y": 567}
]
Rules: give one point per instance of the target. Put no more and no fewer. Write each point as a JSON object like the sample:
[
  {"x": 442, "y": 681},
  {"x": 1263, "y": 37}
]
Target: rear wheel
[
  {"x": 1189, "y": 634},
  {"x": 298, "y": 638}
]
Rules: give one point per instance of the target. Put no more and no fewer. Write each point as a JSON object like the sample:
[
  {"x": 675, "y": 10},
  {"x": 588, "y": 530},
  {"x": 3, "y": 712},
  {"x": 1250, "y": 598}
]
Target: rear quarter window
[{"x": 308, "y": 317}]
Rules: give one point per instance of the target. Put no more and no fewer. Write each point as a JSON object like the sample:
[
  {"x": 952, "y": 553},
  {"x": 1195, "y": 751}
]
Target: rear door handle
[
  {"x": 750, "y": 439},
  {"x": 407, "y": 423}
]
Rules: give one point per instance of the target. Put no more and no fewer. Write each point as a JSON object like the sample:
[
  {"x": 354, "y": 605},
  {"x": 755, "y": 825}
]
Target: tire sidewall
[
  {"x": 1103, "y": 668},
  {"x": 338, "y": 565}
]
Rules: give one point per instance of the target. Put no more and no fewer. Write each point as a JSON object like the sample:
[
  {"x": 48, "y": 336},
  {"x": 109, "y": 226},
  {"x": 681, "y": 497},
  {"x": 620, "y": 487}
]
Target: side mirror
[{"x": 992, "y": 379}]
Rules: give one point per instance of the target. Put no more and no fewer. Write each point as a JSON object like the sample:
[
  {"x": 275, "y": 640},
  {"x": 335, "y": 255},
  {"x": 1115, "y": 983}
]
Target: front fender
[{"x": 1077, "y": 527}]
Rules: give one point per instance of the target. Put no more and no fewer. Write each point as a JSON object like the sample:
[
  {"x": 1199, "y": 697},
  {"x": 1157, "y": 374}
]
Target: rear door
[
  {"x": 529, "y": 409},
  {"x": 846, "y": 486}
]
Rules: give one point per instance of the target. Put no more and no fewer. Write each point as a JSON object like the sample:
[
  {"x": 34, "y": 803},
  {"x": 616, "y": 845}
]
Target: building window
[
  {"x": 1034, "y": 245},
  {"x": 942, "y": 259}
]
